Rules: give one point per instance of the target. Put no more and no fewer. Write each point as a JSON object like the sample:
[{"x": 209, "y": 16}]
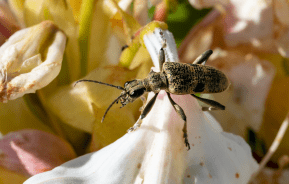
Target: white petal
[
  {"x": 154, "y": 42},
  {"x": 155, "y": 153},
  {"x": 247, "y": 94},
  {"x": 247, "y": 21}
]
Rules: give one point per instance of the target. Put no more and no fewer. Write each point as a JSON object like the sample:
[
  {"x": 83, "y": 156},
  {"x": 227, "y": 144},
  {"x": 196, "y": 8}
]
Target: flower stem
[{"x": 86, "y": 13}]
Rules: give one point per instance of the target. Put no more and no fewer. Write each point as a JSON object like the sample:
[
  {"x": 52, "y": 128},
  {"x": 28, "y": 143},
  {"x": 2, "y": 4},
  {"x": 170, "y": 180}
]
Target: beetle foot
[
  {"x": 135, "y": 126},
  {"x": 187, "y": 141},
  {"x": 144, "y": 101}
]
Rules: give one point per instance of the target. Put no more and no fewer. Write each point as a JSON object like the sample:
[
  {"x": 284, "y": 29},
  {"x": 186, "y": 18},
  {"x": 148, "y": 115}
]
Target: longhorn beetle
[{"x": 174, "y": 78}]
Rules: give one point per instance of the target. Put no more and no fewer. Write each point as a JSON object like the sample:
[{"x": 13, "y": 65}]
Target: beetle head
[{"x": 133, "y": 90}]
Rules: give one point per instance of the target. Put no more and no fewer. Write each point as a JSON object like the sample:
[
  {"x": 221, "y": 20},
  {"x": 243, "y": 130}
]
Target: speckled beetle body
[
  {"x": 174, "y": 78},
  {"x": 181, "y": 79}
]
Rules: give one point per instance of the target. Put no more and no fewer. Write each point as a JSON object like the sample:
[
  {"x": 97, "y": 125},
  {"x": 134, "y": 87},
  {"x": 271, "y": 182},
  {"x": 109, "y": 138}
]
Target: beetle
[{"x": 174, "y": 78}]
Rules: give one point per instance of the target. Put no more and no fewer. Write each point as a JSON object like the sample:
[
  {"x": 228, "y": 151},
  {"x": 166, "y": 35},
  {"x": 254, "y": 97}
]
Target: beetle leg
[
  {"x": 203, "y": 58},
  {"x": 214, "y": 105},
  {"x": 146, "y": 110},
  {"x": 148, "y": 107},
  {"x": 181, "y": 112}
]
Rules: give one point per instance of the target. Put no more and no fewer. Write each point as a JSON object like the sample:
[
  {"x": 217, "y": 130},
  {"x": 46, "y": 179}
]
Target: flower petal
[
  {"x": 247, "y": 21},
  {"x": 61, "y": 13},
  {"x": 30, "y": 152},
  {"x": 244, "y": 21},
  {"x": 15, "y": 115},
  {"x": 156, "y": 153},
  {"x": 247, "y": 94},
  {"x": 30, "y": 60},
  {"x": 76, "y": 7},
  {"x": 73, "y": 104}
]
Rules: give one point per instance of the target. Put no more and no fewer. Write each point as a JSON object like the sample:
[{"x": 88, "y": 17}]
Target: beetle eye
[
  {"x": 128, "y": 82},
  {"x": 137, "y": 93}
]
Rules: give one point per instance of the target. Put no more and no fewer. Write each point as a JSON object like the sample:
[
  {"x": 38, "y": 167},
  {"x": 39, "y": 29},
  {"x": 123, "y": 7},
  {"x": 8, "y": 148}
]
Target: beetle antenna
[
  {"x": 111, "y": 106},
  {"x": 86, "y": 80}
]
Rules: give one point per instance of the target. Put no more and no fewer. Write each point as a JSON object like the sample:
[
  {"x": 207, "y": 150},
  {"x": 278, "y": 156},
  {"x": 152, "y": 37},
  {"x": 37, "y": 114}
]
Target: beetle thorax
[{"x": 155, "y": 81}]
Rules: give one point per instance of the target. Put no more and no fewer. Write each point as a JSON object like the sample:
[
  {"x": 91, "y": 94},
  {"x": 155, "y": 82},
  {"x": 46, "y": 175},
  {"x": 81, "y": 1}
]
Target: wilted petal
[
  {"x": 30, "y": 60},
  {"x": 30, "y": 152}
]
